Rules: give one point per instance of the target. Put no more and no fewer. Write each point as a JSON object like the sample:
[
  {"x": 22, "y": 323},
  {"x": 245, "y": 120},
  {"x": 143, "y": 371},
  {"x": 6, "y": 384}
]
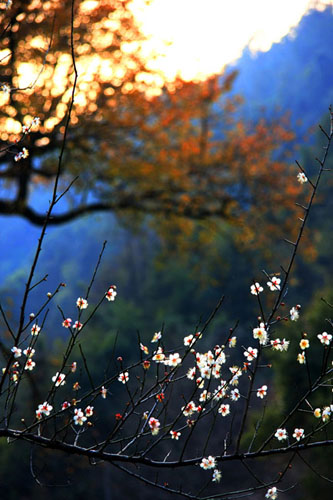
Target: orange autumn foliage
[{"x": 138, "y": 144}]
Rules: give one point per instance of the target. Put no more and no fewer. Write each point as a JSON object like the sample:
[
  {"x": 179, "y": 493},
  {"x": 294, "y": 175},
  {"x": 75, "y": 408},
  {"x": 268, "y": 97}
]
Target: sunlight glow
[{"x": 194, "y": 39}]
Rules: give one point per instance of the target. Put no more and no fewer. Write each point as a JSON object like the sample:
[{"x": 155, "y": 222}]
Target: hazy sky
[{"x": 205, "y": 35}]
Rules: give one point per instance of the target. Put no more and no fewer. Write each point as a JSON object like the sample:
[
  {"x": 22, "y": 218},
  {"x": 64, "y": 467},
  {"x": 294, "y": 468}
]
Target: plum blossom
[
  {"x": 174, "y": 359},
  {"x": 261, "y": 334},
  {"x": 189, "y": 340},
  {"x": 208, "y": 463},
  {"x": 272, "y": 493},
  {"x": 123, "y": 377},
  {"x": 274, "y": 284},
  {"x": 325, "y": 338},
  {"x": 16, "y": 351},
  {"x": 67, "y": 323},
  {"x": 65, "y": 405},
  {"x": 280, "y": 345},
  {"x": 154, "y": 425},
  {"x": 191, "y": 373},
  {"x": 262, "y": 391},
  {"x": 217, "y": 474},
  {"x": 232, "y": 342},
  {"x": 256, "y": 288},
  {"x": 144, "y": 348},
  {"x": 29, "y": 352},
  {"x": 250, "y": 353},
  {"x": 326, "y": 413},
  {"x": 59, "y": 379},
  {"x": 175, "y": 435},
  {"x": 189, "y": 409},
  {"x": 294, "y": 314},
  {"x": 111, "y": 293},
  {"x": 224, "y": 410},
  {"x": 298, "y": 434},
  {"x": 157, "y": 336},
  {"x": 29, "y": 365},
  {"x": 304, "y": 344},
  {"x": 82, "y": 303},
  {"x": 89, "y": 411},
  {"x": 43, "y": 409},
  {"x": 317, "y": 412},
  {"x": 302, "y": 178},
  {"x": 281, "y": 434},
  {"x": 22, "y": 154},
  {"x": 301, "y": 358},
  {"x": 79, "y": 417},
  {"x": 234, "y": 395},
  {"x": 77, "y": 325},
  {"x": 159, "y": 356},
  {"x": 103, "y": 392},
  {"x": 35, "y": 329}
]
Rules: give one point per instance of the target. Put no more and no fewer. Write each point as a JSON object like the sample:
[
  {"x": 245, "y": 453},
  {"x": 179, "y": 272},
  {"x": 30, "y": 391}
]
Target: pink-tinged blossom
[
  {"x": 59, "y": 379},
  {"x": 224, "y": 410},
  {"x": 123, "y": 377},
  {"x": 29, "y": 352},
  {"x": 16, "y": 352},
  {"x": 325, "y": 338},
  {"x": 67, "y": 322},
  {"x": 274, "y": 284},
  {"x": 77, "y": 325},
  {"x": 301, "y": 358},
  {"x": 256, "y": 289},
  {"x": 65, "y": 405},
  {"x": 103, "y": 392},
  {"x": 73, "y": 367},
  {"x": 154, "y": 425},
  {"x": 262, "y": 391},
  {"x": 189, "y": 409},
  {"x": 35, "y": 329},
  {"x": 79, "y": 417},
  {"x": 43, "y": 409},
  {"x": 89, "y": 411},
  {"x": 272, "y": 493},
  {"x": 81, "y": 303},
  {"x": 175, "y": 435},
  {"x": 111, "y": 293},
  {"x": 250, "y": 353},
  {"x": 260, "y": 333},
  {"x": 302, "y": 178},
  {"x": 29, "y": 365},
  {"x": 281, "y": 434},
  {"x": 304, "y": 344},
  {"x": 208, "y": 463},
  {"x": 298, "y": 434},
  {"x": 157, "y": 336}
]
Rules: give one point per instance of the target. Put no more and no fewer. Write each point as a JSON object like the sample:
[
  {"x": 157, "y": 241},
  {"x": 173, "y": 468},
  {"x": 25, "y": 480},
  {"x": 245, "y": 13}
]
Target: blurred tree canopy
[{"x": 137, "y": 143}]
